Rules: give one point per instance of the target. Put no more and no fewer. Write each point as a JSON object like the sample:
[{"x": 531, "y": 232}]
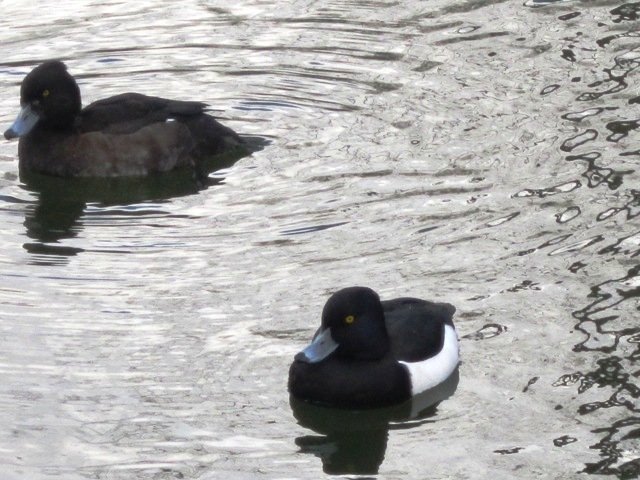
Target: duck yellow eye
[
  {"x": 45, "y": 94},
  {"x": 349, "y": 319}
]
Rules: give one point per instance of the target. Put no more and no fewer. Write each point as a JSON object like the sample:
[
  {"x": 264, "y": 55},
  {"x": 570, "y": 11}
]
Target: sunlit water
[{"x": 477, "y": 152}]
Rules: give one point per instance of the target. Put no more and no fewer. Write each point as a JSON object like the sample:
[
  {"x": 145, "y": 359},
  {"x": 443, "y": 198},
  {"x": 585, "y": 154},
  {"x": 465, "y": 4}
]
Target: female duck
[
  {"x": 125, "y": 135},
  {"x": 369, "y": 353}
]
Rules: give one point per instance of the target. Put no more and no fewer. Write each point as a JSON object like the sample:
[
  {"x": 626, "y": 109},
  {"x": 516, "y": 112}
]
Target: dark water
[{"x": 483, "y": 153}]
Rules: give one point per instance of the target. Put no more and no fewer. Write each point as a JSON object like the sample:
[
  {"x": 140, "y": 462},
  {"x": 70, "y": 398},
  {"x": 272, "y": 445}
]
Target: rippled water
[{"x": 478, "y": 152}]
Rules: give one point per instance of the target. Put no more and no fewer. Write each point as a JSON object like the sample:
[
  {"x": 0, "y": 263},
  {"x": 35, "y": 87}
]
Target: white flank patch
[{"x": 429, "y": 373}]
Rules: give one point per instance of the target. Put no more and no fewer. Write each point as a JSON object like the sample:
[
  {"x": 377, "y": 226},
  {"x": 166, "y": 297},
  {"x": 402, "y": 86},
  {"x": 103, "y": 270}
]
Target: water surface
[{"x": 481, "y": 153}]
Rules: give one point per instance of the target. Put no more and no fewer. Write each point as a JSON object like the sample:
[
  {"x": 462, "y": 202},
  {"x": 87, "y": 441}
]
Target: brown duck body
[{"x": 125, "y": 135}]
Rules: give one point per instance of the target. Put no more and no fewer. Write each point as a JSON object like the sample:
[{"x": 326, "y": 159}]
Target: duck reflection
[
  {"x": 355, "y": 441},
  {"x": 61, "y": 202}
]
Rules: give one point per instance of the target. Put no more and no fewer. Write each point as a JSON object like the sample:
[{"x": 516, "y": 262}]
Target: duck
[
  {"x": 370, "y": 353},
  {"x": 130, "y": 134}
]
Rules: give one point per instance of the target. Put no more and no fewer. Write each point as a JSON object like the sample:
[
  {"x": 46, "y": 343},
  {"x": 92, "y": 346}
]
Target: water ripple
[{"x": 480, "y": 152}]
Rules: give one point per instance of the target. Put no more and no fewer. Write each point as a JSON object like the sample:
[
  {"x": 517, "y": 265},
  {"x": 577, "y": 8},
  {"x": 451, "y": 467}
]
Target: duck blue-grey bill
[
  {"x": 26, "y": 120},
  {"x": 321, "y": 347}
]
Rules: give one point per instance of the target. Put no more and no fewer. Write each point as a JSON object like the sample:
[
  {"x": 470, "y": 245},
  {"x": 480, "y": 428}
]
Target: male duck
[
  {"x": 125, "y": 135},
  {"x": 369, "y": 353}
]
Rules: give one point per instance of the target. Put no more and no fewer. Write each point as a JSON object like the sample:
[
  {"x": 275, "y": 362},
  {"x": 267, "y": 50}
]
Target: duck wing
[
  {"x": 129, "y": 112},
  {"x": 416, "y": 327}
]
